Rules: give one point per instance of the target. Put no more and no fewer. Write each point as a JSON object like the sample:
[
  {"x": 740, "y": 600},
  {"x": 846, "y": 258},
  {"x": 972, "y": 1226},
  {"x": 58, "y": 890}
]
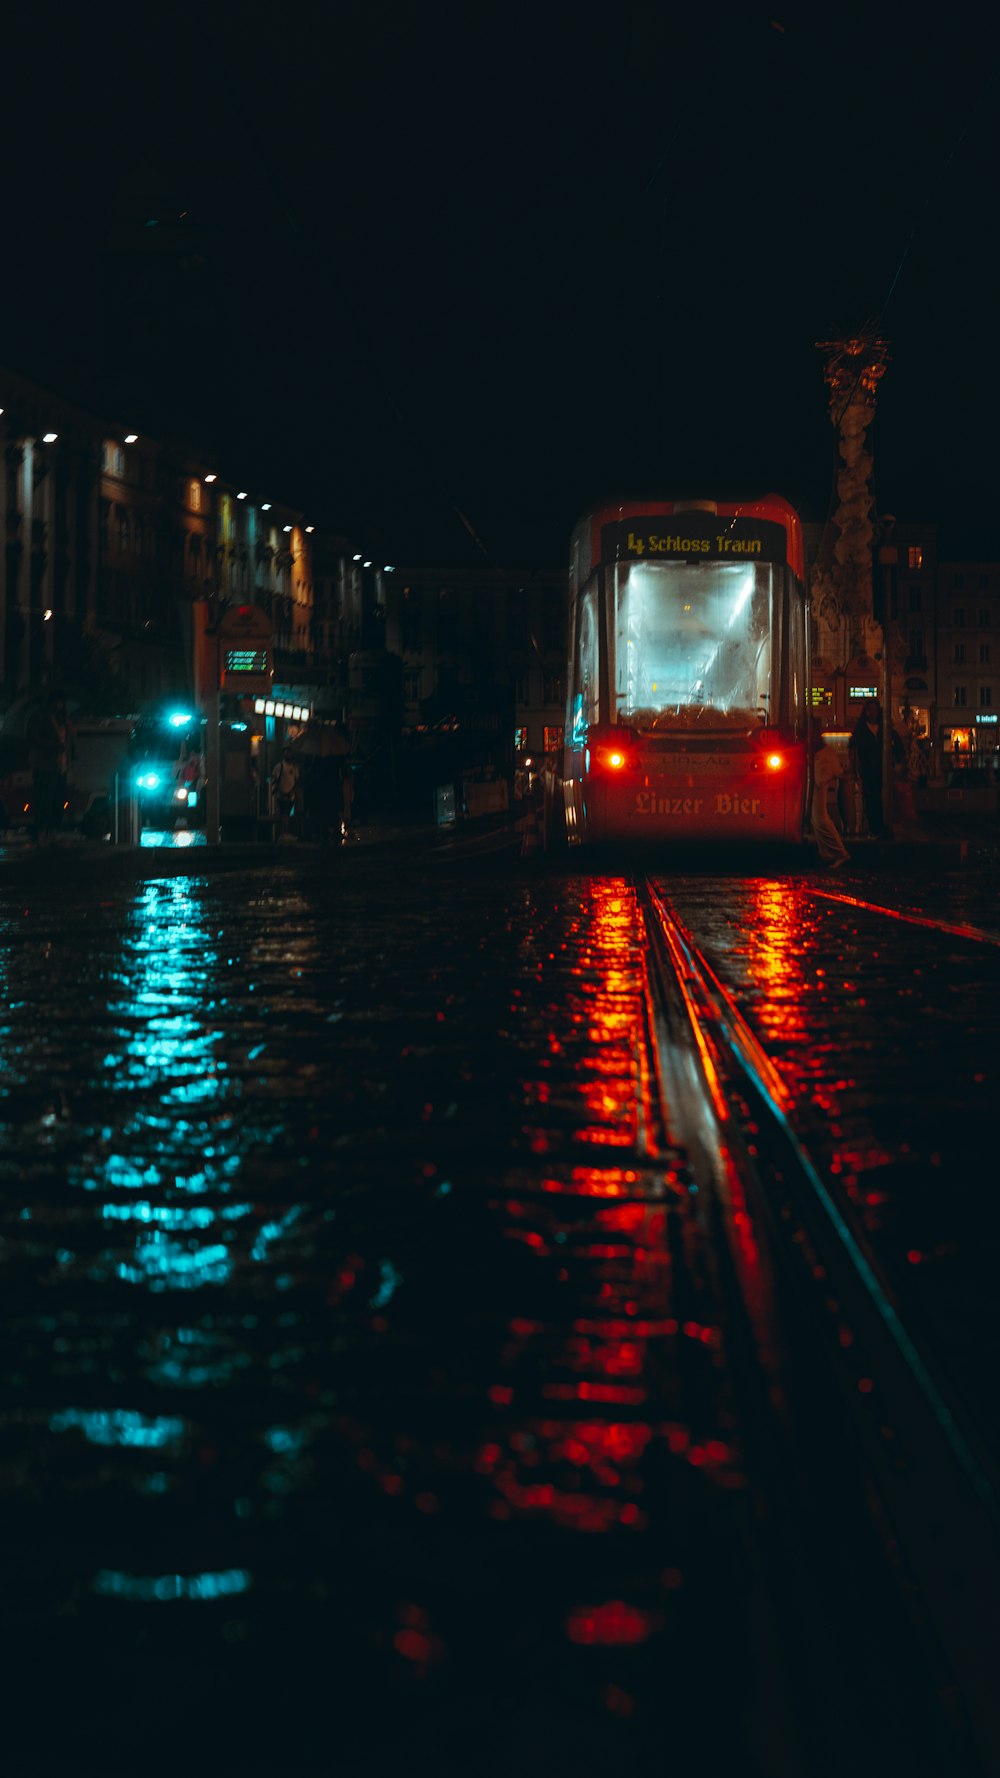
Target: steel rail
[
  {"x": 934, "y": 1492},
  {"x": 950, "y": 928}
]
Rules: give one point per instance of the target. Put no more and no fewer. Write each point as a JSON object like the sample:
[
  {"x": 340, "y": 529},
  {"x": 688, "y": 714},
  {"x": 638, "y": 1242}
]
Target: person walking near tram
[
  {"x": 866, "y": 762},
  {"x": 48, "y": 757},
  {"x": 285, "y": 786},
  {"x": 827, "y": 769}
]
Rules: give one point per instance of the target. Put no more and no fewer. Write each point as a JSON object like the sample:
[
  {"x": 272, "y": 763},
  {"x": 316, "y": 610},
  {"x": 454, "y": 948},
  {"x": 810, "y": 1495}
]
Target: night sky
[{"x": 444, "y": 275}]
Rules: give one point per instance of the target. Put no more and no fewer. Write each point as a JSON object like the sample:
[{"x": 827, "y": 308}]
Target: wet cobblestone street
[
  {"x": 369, "y": 1393},
  {"x": 888, "y": 1034}
]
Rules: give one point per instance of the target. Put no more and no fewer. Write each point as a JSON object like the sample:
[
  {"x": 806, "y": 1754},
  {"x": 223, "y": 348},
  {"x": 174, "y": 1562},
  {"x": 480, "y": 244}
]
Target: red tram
[{"x": 687, "y": 699}]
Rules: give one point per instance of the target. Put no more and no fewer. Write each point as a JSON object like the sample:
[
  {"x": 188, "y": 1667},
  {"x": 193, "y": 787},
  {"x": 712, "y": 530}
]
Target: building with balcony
[
  {"x": 112, "y": 540},
  {"x": 943, "y": 635},
  {"x": 968, "y": 665}
]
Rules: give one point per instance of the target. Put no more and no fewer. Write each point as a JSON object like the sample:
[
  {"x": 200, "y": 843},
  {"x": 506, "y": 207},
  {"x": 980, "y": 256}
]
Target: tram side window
[
  {"x": 585, "y": 711},
  {"x": 695, "y": 643},
  {"x": 797, "y": 693}
]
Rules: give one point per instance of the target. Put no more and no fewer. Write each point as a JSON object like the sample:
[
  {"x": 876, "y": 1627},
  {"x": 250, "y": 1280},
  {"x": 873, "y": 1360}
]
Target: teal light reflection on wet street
[{"x": 362, "y": 1339}]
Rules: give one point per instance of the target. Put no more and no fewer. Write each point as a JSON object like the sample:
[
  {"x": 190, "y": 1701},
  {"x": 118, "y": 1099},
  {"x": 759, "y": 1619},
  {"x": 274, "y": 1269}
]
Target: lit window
[
  {"x": 194, "y": 496},
  {"x": 914, "y": 556}
]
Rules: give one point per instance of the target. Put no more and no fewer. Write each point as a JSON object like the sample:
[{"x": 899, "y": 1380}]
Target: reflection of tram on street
[{"x": 687, "y": 711}]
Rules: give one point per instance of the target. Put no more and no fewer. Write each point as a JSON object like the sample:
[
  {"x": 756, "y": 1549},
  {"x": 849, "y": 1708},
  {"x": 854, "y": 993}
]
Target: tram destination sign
[{"x": 693, "y": 536}]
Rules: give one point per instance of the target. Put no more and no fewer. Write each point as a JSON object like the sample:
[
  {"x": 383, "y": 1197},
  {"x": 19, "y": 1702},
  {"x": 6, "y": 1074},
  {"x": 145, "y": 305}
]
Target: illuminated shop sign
[
  {"x": 858, "y": 693},
  {"x": 696, "y": 536},
  {"x": 246, "y": 660},
  {"x": 245, "y": 646},
  {"x": 986, "y": 718}
]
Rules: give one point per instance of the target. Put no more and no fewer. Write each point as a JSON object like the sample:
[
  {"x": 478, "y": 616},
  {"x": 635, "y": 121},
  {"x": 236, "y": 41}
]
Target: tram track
[
  {"x": 948, "y": 928},
  {"x": 819, "y": 1321}
]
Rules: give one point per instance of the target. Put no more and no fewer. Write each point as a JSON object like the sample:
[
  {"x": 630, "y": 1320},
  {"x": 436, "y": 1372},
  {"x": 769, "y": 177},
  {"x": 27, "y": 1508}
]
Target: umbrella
[
  {"x": 321, "y": 741},
  {"x": 16, "y": 719}
]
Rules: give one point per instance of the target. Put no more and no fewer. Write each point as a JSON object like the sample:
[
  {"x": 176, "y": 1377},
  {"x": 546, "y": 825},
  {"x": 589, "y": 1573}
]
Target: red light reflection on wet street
[
  {"x": 884, "y": 1022},
  {"x": 366, "y": 1324}
]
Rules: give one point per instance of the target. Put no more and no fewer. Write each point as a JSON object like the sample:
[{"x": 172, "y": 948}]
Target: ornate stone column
[{"x": 844, "y": 628}]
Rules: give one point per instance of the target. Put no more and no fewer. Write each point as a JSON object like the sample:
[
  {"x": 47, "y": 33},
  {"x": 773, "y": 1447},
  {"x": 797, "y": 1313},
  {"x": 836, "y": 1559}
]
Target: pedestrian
[
  {"x": 285, "y": 788},
  {"x": 339, "y": 746},
  {"x": 48, "y": 760},
  {"x": 188, "y": 769},
  {"x": 866, "y": 763},
  {"x": 533, "y": 806},
  {"x": 827, "y": 768}
]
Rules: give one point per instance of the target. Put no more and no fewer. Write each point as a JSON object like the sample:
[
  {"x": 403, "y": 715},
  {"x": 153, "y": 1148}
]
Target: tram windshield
[{"x": 696, "y": 644}]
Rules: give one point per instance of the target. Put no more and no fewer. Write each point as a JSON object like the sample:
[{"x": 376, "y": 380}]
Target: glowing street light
[
  {"x": 49, "y": 437},
  {"x": 131, "y": 438}
]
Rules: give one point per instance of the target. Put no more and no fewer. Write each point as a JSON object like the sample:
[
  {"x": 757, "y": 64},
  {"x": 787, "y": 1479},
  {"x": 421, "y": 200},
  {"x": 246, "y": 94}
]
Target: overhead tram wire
[
  {"x": 873, "y": 327},
  {"x": 929, "y": 193},
  {"x": 419, "y": 442}
]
